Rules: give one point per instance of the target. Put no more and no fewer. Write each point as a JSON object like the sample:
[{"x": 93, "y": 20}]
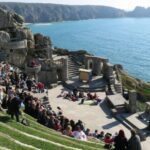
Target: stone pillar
[
  {"x": 65, "y": 69},
  {"x": 97, "y": 67},
  {"x": 132, "y": 101},
  {"x": 53, "y": 77},
  {"x": 86, "y": 62},
  {"x": 110, "y": 70}
]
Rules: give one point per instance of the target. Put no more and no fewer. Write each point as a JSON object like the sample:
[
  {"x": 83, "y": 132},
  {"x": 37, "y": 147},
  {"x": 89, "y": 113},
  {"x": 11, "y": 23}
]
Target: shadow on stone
[
  {"x": 106, "y": 110},
  {"x": 111, "y": 125}
]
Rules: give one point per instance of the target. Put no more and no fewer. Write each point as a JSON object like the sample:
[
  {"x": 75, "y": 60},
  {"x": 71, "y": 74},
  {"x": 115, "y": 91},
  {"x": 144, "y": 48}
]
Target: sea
[{"x": 124, "y": 41}]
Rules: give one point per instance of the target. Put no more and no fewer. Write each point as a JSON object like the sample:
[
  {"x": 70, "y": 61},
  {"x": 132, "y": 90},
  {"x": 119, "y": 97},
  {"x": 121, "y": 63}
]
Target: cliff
[
  {"x": 18, "y": 41},
  {"x": 139, "y": 12},
  {"x": 39, "y": 12},
  {"x": 51, "y": 12}
]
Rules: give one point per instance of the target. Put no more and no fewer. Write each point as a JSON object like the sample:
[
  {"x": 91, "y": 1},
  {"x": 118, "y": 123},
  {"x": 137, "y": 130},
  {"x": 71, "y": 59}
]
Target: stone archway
[{"x": 96, "y": 64}]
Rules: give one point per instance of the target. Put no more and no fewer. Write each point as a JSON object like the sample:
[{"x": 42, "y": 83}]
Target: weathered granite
[
  {"x": 4, "y": 37},
  {"x": 9, "y": 20}
]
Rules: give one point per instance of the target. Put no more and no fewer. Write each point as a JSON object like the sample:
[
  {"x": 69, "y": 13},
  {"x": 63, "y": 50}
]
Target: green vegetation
[
  {"x": 38, "y": 136},
  {"x": 142, "y": 88},
  {"x": 141, "y": 106}
]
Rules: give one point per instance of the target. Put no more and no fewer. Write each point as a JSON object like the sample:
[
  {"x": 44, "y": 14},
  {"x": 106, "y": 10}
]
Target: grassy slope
[{"x": 42, "y": 132}]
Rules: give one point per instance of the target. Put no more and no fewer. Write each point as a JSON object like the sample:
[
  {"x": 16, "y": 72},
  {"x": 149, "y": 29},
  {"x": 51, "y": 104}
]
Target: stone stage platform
[
  {"x": 116, "y": 100},
  {"x": 96, "y": 84}
]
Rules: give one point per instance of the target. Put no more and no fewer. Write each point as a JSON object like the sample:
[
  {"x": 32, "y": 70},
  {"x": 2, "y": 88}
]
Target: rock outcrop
[
  {"x": 9, "y": 20},
  {"x": 33, "y": 53},
  {"x": 4, "y": 37}
]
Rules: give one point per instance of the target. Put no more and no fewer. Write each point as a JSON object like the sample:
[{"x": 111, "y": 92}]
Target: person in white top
[
  {"x": 79, "y": 134},
  {"x": 1, "y": 98}
]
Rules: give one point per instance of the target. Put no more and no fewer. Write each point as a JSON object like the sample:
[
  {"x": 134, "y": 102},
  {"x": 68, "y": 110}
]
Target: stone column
[
  {"x": 132, "y": 101},
  {"x": 86, "y": 62},
  {"x": 65, "y": 69},
  {"x": 110, "y": 69},
  {"x": 97, "y": 67}
]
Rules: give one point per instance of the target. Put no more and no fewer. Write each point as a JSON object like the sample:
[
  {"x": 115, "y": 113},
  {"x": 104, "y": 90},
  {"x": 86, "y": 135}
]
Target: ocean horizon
[{"x": 124, "y": 41}]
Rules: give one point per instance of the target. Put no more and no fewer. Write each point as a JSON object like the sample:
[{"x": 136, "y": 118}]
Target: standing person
[
  {"x": 29, "y": 84},
  {"x": 15, "y": 104},
  {"x": 134, "y": 141},
  {"x": 1, "y": 98},
  {"x": 120, "y": 141},
  {"x": 7, "y": 85}
]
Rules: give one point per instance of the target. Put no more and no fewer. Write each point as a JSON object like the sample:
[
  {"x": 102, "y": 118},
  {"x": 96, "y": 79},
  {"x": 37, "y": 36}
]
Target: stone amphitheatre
[{"x": 62, "y": 70}]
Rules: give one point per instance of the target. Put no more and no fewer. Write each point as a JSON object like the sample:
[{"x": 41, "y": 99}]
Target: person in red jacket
[{"x": 108, "y": 140}]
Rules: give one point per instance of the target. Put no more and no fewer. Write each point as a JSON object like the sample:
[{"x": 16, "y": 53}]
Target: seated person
[
  {"x": 89, "y": 96},
  {"x": 101, "y": 135},
  {"x": 108, "y": 141},
  {"x": 87, "y": 132},
  {"x": 79, "y": 134},
  {"x": 95, "y": 134},
  {"x": 95, "y": 96},
  {"x": 68, "y": 131},
  {"x": 73, "y": 98},
  {"x": 81, "y": 95}
]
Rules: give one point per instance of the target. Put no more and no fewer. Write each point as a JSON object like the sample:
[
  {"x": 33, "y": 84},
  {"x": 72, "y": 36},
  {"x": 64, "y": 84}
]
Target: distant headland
[{"x": 38, "y": 12}]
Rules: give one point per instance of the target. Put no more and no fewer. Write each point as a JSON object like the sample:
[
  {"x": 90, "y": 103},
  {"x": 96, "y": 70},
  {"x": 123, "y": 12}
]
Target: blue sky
[{"x": 123, "y": 4}]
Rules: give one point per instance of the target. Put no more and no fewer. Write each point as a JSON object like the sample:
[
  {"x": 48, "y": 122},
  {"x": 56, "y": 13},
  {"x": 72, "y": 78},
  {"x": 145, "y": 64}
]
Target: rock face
[
  {"x": 52, "y": 12},
  {"x": 9, "y": 20},
  {"x": 4, "y": 37},
  {"x": 33, "y": 53}
]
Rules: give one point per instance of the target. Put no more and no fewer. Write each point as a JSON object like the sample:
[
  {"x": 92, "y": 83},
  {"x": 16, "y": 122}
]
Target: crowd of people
[
  {"x": 15, "y": 91},
  {"x": 76, "y": 95}
]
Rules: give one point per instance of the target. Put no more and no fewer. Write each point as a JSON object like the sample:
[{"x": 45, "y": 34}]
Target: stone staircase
[
  {"x": 118, "y": 87},
  {"x": 73, "y": 68}
]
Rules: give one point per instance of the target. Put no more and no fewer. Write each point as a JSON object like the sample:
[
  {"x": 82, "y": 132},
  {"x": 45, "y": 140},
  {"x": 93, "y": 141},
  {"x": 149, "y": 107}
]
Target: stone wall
[
  {"x": 48, "y": 77},
  {"x": 16, "y": 45}
]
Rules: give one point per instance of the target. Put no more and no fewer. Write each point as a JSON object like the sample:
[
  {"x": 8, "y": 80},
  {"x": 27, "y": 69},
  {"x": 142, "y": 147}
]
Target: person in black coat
[
  {"x": 14, "y": 107},
  {"x": 29, "y": 84},
  {"x": 134, "y": 141},
  {"x": 120, "y": 141}
]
